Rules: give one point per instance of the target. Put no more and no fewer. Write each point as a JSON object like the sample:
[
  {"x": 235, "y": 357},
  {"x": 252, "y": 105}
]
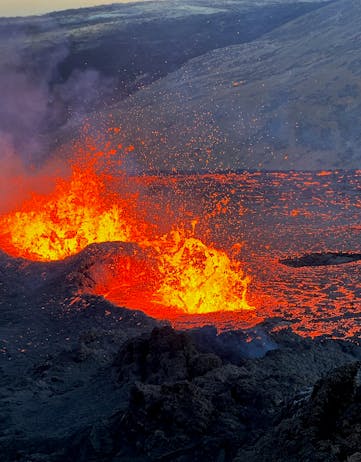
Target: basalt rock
[
  {"x": 322, "y": 259},
  {"x": 327, "y": 426},
  {"x": 165, "y": 356},
  {"x": 125, "y": 391}
]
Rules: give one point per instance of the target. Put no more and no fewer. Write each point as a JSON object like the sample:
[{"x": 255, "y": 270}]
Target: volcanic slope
[
  {"x": 289, "y": 100},
  {"x": 58, "y": 68},
  {"x": 136, "y": 43},
  {"x": 82, "y": 380}
]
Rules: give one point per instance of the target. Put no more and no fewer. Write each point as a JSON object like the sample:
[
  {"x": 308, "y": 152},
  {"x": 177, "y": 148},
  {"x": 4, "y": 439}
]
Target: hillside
[
  {"x": 58, "y": 68},
  {"x": 290, "y": 100}
]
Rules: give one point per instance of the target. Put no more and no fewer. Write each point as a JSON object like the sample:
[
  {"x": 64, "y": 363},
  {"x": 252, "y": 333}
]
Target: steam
[{"x": 39, "y": 109}]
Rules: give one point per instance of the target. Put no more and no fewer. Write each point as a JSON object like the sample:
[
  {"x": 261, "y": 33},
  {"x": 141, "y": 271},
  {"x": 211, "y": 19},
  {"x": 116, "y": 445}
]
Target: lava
[
  {"x": 182, "y": 273},
  {"x": 197, "y": 278},
  {"x": 79, "y": 212},
  {"x": 175, "y": 275},
  {"x": 174, "y": 272}
]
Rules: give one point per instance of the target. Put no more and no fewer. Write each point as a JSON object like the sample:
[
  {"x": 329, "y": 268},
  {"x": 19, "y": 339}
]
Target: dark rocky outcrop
[
  {"x": 173, "y": 413},
  {"x": 325, "y": 427},
  {"x": 321, "y": 259},
  {"x": 165, "y": 356},
  {"x": 126, "y": 392}
]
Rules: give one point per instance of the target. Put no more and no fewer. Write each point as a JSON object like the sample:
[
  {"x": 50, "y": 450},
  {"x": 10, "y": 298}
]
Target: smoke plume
[{"x": 39, "y": 109}]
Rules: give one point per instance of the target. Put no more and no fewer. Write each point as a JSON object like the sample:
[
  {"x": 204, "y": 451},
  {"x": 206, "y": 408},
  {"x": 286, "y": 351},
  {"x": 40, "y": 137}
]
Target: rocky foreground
[{"x": 82, "y": 380}]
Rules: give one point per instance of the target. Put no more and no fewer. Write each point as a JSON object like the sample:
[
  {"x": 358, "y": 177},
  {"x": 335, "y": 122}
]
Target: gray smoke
[
  {"x": 36, "y": 103},
  {"x": 39, "y": 110}
]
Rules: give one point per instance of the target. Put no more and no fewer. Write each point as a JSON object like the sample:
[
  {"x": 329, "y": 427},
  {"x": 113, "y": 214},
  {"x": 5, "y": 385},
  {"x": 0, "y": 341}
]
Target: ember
[{"x": 183, "y": 273}]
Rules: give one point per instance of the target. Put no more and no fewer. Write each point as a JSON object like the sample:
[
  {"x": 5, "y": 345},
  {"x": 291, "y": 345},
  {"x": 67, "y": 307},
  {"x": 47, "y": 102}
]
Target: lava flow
[{"x": 173, "y": 273}]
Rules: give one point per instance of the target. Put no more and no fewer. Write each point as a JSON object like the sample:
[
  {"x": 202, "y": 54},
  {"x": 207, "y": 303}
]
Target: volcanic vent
[
  {"x": 167, "y": 274},
  {"x": 205, "y": 249}
]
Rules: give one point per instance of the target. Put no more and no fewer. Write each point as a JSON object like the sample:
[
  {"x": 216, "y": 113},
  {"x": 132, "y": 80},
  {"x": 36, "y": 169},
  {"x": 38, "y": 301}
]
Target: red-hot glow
[
  {"x": 179, "y": 272},
  {"x": 196, "y": 278},
  {"x": 175, "y": 277},
  {"x": 186, "y": 275},
  {"x": 61, "y": 224}
]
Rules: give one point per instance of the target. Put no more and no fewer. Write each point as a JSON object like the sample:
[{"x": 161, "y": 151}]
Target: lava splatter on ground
[
  {"x": 178, "y": 272},
  {"x": 277, "y": 215},
  {"x": 210, "y": 244}
]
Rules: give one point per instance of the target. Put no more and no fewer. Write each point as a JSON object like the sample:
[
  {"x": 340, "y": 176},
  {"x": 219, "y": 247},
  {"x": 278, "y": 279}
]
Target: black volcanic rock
[
  {"x": 81, "y": 379},
  {"x": 330, "y": 398},
  {"x": 127, "y": 393},
  {"x": 322, "y": 259},
  {"x": 165, "y": 356},
  {"x": 326, "y": 426},
  {"x": 171, "y": 414}
]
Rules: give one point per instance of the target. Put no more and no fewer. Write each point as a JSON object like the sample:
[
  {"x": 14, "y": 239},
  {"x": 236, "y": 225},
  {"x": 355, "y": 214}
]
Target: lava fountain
[
  {"x": 78, "y": 213},
  {"x": 177, "y": 273},
  {"x": 196, "y": 278}
]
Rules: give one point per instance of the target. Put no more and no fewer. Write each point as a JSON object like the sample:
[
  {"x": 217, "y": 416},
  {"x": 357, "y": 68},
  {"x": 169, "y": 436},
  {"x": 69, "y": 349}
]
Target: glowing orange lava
[
  {"x": 177, "y": 272},
  {"x": 173, "y": 275},
  {"x": 199, "y": 279},
  {"x": 76, "y": 214}
]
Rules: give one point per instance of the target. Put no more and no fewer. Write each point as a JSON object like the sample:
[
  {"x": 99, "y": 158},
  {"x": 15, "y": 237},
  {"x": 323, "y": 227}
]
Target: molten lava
[
  {"x": 173, "y": 274},
  {"x": 179, "y": 275},
  {"x": 198, "y": 279},
  {"x": 78, "y": 213}
]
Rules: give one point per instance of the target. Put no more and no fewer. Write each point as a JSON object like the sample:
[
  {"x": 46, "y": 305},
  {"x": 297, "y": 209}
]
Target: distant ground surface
[
  {"x": 289, "y": 100},
  {"x": 136, "y": 43},
  {"x": 260, "y": 85},
  {"x": 58, "y": 69}
]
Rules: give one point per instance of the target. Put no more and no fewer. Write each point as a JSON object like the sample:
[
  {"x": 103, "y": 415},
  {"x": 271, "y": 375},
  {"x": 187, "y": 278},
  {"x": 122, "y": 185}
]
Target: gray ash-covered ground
[{"x": 59, "y": 68}]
